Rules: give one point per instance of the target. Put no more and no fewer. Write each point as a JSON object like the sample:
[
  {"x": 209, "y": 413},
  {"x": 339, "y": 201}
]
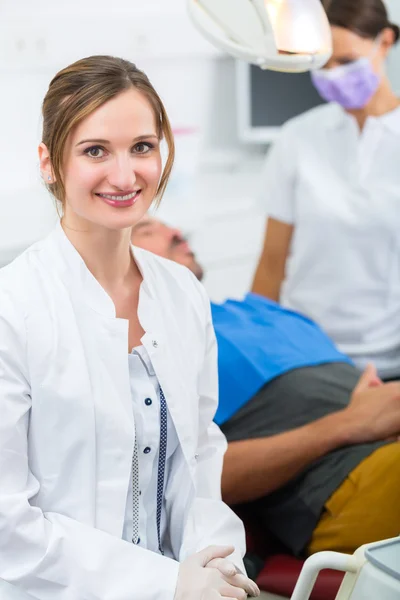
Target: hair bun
[{"x": 396, "y": 31}]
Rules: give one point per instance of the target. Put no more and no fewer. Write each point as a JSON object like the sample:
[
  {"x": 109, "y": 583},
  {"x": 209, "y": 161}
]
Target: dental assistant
[
  {"x": 110, "y": 464},
  {"x": 331, "y": 188}
]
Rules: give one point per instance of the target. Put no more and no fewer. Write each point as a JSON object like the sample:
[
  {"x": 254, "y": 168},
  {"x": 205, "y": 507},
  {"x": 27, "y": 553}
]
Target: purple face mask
[{"x": 351, "y": 86}]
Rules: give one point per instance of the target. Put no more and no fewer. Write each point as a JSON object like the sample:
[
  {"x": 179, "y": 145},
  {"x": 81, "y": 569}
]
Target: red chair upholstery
[{"x": 281, "y": 571}]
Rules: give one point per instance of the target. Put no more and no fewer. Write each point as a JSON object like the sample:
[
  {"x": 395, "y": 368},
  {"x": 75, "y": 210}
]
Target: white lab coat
[
  {"x": 66, "y": 428},
  {"x": 341, "y": 190}
]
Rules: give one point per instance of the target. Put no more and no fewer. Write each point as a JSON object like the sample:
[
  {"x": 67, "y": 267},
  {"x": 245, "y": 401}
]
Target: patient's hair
[
  {"x": 81, "y": 88},
  {"x": 366, "y": 18}
]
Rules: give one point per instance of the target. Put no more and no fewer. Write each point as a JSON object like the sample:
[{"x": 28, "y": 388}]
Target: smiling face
[{"x": 112, "y": 164}]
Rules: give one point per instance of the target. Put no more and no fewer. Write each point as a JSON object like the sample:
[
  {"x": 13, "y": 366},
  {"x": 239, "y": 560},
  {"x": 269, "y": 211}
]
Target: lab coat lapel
[
  {"x": 107, "y": 342},
  {"x": 160, "y": 348},
  {"x": 105, "y": 339}
]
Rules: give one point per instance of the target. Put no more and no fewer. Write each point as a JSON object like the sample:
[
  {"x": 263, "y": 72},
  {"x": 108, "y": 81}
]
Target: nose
[
  {"x": 122, "y": 174},
  {"x": 175, "y": 232}
]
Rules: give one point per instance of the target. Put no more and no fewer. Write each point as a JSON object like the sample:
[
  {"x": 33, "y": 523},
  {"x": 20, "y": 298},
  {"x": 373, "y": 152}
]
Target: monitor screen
[
  {"x": 277, "y": 97},
  {"x": 267, "y": 99}
]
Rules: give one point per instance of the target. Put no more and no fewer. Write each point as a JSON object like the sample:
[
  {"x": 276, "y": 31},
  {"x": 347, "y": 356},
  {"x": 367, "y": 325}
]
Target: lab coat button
[
  {"x": 147, "y": 450},
  {"x": 148, "y": 401},
  {"x": 155, "y": 343},
  {"x": 196, "y": 456}
]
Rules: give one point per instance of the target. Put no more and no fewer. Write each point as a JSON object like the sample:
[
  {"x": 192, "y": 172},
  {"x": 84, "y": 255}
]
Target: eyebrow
[{"x": 101, "y": 141}]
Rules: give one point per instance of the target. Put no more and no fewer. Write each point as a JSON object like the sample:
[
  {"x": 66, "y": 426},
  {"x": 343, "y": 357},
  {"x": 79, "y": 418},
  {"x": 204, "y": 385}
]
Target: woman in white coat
[
  {"x": 110, "y": 464},
  {"x": 331, "y": 188}
]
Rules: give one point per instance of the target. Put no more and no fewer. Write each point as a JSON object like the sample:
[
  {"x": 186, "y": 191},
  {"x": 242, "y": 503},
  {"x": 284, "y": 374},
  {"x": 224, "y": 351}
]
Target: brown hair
[
  {"x": 78, "y": 90},
  {"x": 366, "y": 18}
]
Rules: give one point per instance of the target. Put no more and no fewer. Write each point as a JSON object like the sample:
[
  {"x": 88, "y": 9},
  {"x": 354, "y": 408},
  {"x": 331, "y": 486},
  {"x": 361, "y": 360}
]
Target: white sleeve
[
  {"x": 47, "y": 555},
  {"x": 278, "y": 179},
  {"x": 213, "y": 522}
]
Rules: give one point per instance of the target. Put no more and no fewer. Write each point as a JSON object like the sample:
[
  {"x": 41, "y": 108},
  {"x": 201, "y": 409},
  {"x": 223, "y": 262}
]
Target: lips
[{"x": 120, "y": 200}]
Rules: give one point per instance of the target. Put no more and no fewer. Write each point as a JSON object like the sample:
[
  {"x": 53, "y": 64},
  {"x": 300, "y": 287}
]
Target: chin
[{"x": 120, "y": 218}]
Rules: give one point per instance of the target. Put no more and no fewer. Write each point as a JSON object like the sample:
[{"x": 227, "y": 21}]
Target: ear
[
  {"x": 387, "y": 40},
  {"x": 45, "y": 164}
]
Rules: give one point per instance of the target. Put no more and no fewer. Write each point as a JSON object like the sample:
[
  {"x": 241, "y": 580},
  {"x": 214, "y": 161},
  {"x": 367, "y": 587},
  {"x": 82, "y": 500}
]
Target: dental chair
[
  {"x": 275, "y": 570},
  {"x": 372, "y": 572}
]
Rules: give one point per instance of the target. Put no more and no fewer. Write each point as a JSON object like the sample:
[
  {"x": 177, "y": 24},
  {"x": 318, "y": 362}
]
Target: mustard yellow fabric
[{"x": 365, "y": 508}]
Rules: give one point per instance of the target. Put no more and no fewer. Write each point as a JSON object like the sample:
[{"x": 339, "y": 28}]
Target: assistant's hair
[
  {"x": 78, "y": 90},
  {"x": 366, "y": 18}
]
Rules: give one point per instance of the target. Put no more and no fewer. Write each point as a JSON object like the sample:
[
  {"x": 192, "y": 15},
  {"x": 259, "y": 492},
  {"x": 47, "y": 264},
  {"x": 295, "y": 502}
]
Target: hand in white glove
[
  {"x": 234, "y": 576},
  {"x": 195, "y": 582}
]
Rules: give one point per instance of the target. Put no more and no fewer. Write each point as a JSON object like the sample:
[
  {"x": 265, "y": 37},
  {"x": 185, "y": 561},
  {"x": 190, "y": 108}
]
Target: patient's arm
[{"x": 257, "y": 467}]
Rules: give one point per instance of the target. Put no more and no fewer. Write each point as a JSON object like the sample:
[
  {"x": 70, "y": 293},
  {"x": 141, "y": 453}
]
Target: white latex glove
[
  {"x": 234, "y": 576},
  {"x": 195, "y": 582}
]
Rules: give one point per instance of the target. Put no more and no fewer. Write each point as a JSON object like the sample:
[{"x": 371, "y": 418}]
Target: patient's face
[{"x": 165, "y": 241}]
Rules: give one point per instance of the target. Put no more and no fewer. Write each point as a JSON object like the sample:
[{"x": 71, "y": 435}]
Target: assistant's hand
[{"x": 233, "y": 576}]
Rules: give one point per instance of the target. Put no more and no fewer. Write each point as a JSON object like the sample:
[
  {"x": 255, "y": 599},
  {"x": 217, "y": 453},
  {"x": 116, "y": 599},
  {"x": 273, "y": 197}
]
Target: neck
[
  {"x": 382, "y": 102},
  {"x": 106, "y": 253}
]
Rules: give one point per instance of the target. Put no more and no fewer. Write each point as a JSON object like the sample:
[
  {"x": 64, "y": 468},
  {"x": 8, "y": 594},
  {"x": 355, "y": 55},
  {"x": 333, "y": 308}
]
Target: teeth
[{"x": 119, "y": 198}]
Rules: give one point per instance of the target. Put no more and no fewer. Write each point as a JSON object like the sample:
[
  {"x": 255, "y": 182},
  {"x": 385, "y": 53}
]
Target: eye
[
  {"x": 95, "y": 152},
  {"x": 346, "y": 60},
  {"x": 143, "y": 147}
]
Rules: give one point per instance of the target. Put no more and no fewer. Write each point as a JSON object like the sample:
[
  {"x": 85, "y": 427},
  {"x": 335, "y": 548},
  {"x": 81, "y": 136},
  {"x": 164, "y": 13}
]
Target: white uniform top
[
  {"x": 146, "y": 411},
  {"x": 341, "y": 190},
  {"x": 66, "y": 428}
]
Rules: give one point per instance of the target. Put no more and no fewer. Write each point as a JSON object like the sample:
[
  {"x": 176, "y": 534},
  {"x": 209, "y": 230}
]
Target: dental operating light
[{"x": 282, "y": 35}]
